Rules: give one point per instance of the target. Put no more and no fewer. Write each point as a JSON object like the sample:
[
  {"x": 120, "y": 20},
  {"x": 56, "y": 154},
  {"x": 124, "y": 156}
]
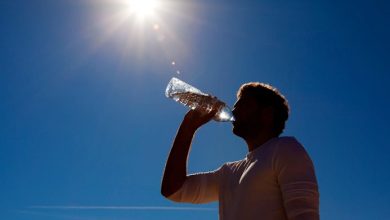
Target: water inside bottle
[
  {"x": 192, "y": 100},
  {"x": 205, "y": 103},
  {"x": 196, "y": 99}
]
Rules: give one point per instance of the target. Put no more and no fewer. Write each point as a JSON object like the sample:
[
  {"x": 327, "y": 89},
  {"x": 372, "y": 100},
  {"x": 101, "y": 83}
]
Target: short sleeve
[
  {"x": 296, "y": 177},
  {"x": 199, "y": 188}
]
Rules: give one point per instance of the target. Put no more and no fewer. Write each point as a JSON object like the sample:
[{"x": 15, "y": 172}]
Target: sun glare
[
  {"x": 139, "y": 26},
  {"x": 143, "y": 8}
]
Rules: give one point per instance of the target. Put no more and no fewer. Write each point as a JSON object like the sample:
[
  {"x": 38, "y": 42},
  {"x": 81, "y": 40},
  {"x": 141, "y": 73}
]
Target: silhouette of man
[{"x": 275, "y": 181}]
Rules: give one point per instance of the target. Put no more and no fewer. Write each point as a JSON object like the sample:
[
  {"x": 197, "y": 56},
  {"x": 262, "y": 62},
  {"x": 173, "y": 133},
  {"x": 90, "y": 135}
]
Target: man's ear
[{"x": 267, "y": 115}]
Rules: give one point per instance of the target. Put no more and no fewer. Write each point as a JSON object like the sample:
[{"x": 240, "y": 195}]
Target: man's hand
[{"x": 197, "y": 117}]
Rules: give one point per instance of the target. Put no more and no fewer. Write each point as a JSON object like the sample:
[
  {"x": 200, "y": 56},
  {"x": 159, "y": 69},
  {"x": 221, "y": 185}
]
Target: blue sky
[{"x": 85, "y": 127}]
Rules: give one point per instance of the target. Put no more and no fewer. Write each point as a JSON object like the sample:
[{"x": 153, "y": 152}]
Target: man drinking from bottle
[{"x": 275, "y": 181}]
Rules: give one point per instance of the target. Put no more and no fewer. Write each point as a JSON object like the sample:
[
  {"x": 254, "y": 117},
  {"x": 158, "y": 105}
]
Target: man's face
[{"x": 247, "y": 114}]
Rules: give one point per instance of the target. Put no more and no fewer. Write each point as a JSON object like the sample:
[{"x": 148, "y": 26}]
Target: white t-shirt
[{"x": 276, "y": 181}]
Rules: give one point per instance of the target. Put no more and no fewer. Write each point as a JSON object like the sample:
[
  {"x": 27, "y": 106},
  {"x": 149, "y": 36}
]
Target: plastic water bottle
[{"x": 195, "y": 99}]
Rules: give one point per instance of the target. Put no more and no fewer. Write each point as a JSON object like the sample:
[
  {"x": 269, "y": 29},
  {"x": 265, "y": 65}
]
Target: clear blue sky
[{"x": 84, "y": 121}]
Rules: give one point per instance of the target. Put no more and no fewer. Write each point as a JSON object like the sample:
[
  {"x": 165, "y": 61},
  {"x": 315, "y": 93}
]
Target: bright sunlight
[
  {"x": 138, "y": 26},
  {"x": 143, "y": 8}
]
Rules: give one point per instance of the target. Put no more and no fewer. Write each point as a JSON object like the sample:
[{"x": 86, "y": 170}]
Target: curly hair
[{"x": 267, "y": 95}]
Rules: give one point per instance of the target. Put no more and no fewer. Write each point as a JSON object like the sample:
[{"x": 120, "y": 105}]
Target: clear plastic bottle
[{"x": 194, "y": 98}]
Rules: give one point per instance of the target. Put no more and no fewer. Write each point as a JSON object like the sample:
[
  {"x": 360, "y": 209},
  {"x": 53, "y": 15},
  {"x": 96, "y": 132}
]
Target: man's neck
[{"x": 254, "y": 143}]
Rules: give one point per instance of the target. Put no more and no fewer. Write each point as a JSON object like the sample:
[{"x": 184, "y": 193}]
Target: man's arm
[
  {"x": 297, "y": 180},
  {"x": 175, "y": 173},
  {"x": 306, "y": 216}
]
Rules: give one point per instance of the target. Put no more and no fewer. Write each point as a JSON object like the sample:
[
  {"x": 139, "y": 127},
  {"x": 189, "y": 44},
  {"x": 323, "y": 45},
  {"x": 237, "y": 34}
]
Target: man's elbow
[
  {"x": 169, "y": 188},
  {"x": 164, "y": 192},
  {"x": 306, "y": 216},
  {"x": 173, "y": 196},
  {"x": 168, "y": 191}
]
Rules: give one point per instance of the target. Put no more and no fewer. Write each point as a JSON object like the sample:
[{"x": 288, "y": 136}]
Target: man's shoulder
[
  {"x": 287, "y": 139},
  {"x": 288, "y": 142},
  {"x": 289, "y": 147},
  {"x": 233, "y": 165}
]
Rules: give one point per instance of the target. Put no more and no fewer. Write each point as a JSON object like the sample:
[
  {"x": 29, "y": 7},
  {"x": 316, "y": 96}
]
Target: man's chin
[
  {"x": 236, "y": 131},
  {"x": 240, "y": 132}
]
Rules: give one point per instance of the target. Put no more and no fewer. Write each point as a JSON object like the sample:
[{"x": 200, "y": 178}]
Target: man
[{"x": 275, "y": 181}]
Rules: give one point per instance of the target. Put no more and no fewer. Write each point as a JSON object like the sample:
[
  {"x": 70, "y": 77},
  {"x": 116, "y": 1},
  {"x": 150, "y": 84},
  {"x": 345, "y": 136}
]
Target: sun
[{"x": 143, "y": 8}]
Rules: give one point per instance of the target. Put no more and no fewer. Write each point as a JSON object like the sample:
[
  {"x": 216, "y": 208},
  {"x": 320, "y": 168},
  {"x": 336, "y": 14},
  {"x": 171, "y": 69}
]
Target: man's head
[{"x": 259, "y": 108}]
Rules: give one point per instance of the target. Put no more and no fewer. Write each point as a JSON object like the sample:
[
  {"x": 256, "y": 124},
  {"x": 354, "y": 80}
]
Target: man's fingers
[{"x": 203, "y": 114}]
